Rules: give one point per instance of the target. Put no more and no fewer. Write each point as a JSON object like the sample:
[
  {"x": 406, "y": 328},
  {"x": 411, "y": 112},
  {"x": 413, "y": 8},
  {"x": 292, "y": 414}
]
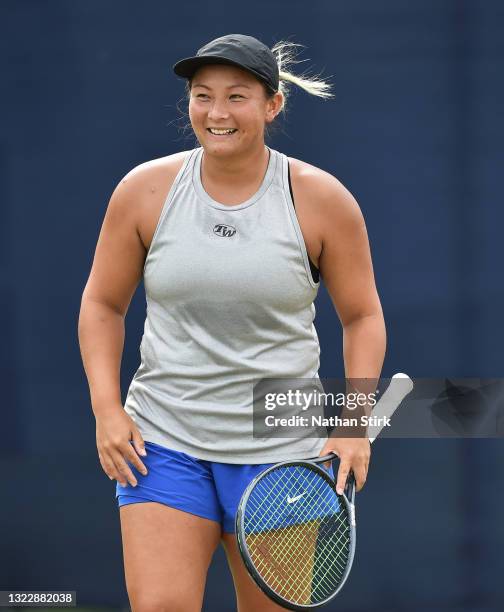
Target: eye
[
  {"x": 236, "y": 96},
  {"x": 201, "y": 95}
]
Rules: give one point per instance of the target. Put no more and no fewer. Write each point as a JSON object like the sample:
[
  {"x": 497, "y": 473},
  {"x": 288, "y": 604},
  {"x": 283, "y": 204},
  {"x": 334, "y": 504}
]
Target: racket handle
[
  {"x": 385, "y": 407},
  {"x": 349, "y": 493},
  {"x": 350, "y": 487}
]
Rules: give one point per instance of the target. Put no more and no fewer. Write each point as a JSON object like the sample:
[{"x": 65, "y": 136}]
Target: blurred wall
[{"x": 415, "y": 132}]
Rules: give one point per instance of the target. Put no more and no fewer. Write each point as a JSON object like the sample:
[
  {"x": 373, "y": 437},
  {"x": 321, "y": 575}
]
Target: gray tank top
[{"x": 230, "y": 296}]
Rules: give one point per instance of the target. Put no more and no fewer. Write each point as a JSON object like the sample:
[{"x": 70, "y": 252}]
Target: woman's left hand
[{"x": 354, "y": 455}]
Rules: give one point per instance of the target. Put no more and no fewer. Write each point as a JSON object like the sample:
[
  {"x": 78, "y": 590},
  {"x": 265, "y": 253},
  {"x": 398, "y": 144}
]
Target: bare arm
[
  {"x": 347, "y": 271},
  {"x": 115, "y": 274}
]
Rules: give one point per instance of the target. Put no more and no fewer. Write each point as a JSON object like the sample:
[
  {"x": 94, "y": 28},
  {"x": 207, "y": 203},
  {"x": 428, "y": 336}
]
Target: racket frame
[
  {"x": 387, "y": 405},
  {"x": 242, "y": 545}
]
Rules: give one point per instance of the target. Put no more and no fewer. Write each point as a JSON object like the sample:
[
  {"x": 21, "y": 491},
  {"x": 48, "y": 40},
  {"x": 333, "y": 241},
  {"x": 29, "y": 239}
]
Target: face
[{"x": 229, "y": 98}]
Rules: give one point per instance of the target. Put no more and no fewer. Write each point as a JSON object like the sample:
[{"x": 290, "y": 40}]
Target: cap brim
[{"x": 187, "y": 67}]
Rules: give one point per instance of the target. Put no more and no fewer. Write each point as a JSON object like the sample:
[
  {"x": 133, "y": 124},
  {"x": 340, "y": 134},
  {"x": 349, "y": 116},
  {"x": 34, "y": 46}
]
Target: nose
[{"x": 218, "y": 110}]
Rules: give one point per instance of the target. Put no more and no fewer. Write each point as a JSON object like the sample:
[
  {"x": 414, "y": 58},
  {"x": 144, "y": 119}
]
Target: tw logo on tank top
[{"x": 225, "y": 231}]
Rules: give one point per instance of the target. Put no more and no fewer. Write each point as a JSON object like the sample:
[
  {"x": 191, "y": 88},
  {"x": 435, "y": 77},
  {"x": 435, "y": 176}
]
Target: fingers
[
  {"x": 130, "y": 454},
  {"x": 110, "y": 468},
  {"x": 327, "y": 450},
  {"x": 114, "y": 458},
  {"x": 343, "y": 471},
  {"x": 358, "y": 465},
  {"x": 124, "y": 471},
  {"x": 360, "y": 474},
  {"x": 139, "y": 444}
]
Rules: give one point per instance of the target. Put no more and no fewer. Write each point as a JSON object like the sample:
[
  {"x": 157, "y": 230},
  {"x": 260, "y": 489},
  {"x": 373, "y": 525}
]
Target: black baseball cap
[{"x": 236, "y": 50}]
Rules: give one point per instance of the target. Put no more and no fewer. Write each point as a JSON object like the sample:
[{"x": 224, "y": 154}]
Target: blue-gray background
[{"x": 415, "y": 133}]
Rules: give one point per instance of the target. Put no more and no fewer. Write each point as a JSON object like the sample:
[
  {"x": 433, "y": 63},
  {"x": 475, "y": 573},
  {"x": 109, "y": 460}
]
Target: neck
[{"x": 235, "y": 169}]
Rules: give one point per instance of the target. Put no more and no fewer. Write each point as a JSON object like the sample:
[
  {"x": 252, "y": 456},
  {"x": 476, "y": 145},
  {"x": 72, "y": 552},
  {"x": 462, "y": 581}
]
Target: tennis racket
[{"x": 295, "y": 534}]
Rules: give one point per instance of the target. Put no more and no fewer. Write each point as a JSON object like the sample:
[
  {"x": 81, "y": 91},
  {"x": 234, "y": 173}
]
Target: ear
[{"x": 274, "y": 106}]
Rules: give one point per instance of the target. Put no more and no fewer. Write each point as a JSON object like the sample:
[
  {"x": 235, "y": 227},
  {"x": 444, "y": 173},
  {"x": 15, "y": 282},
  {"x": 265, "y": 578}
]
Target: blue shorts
[
  {"x": 208, "y": 489},
  {"x": 205, "y": 488}
]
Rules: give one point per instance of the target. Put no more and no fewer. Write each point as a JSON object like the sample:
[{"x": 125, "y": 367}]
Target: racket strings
[
  {"x": 301, "y": 590},
  {"x": 303, "y": 556},
  {"x": 315, "y": 527},
  {"x": 297, "y": 534}
]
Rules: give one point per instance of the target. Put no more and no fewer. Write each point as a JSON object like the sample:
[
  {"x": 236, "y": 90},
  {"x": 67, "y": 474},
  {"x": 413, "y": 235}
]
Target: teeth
[{"x": 221, "y": 132}]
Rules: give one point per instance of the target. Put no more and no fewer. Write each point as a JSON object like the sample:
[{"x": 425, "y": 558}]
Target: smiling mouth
[{"x": 221, "y": 132}]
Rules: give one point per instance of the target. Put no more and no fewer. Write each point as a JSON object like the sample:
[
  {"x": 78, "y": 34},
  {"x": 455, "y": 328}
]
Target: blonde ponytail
[{"x": 286, "y": 53}]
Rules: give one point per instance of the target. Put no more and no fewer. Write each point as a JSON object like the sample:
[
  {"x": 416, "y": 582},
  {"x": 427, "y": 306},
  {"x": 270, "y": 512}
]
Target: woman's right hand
[{"x": 114, "y": 433}]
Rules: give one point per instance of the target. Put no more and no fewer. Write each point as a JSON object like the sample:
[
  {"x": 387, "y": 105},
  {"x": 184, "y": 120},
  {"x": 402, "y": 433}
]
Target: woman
[{"x": 230, "y": 238}]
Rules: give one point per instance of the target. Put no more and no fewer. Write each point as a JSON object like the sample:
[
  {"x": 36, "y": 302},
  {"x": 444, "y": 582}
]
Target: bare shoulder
[
  {"x": 325, "y": 196},
  {"x": 153, "y": 175},
  {"x": 141, "y": 193}
]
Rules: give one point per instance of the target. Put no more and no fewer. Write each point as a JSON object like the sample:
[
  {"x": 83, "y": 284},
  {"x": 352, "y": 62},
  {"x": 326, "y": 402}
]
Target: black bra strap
[{"x": 313, "y": 268}]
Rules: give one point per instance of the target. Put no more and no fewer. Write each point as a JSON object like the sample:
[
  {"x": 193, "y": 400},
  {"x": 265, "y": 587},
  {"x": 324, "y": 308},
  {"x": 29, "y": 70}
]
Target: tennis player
[{"x": 230, "y": 239}]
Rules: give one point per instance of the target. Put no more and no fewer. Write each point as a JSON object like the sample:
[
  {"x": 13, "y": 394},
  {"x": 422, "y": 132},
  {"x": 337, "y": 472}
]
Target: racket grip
[
  {"x": 350, "y": 487},
  {"x": 349, "y": 493}
]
